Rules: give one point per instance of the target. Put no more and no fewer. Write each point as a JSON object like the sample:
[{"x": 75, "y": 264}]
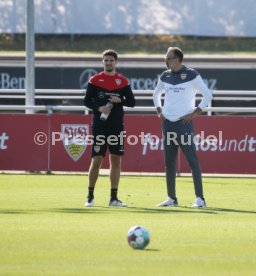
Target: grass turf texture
[{"x": 45, "y": 230}]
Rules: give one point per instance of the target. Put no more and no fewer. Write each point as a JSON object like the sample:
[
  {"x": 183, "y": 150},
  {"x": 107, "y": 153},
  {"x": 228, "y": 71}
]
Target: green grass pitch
[{"x": 45, "y": 230}]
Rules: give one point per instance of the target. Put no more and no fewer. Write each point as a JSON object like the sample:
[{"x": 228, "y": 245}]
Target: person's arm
[
  {"x": 129, "y": 99},
  {"x": 204, "y": 90},
  {"x": 157, "y": 97},
  {"x": 207, "y": 96},
  {"x": 185, "y": 119},
  {"x": 89, "y": 99}
]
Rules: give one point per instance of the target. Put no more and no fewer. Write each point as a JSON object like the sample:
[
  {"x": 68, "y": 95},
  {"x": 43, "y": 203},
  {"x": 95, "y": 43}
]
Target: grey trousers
[{"x": 180, "y": 135}]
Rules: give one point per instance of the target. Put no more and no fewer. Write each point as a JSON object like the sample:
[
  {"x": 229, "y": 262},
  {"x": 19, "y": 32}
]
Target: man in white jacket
[{"x": 180, "y": 85}]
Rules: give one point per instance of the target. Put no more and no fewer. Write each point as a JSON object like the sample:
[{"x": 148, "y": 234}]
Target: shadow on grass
[
  {"x": 14, "y": 212},
  {"x": 180, "y": 209},
  {"x": 110, "y": 210},
  {"x": 225, "y": 210},
  {"x": 101, "y": 209},
  {"x": 151, "y": 249},
  {"x": 87, "y": 210},
  {"x": 167, "y": 210},
  {"x": 147, "y": 249},
  {"x": 57, "y": 210},
  {"x": 214, "y": 210}
]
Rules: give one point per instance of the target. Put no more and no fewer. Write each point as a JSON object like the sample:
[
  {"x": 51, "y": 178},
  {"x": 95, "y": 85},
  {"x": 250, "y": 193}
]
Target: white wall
[{"x": 183, "y": 17}]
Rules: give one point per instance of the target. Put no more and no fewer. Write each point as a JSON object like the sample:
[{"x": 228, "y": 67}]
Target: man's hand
[
  {"x": 159, "y": 113},
  {"x": 104, "y": 109},
  {"x": 187, "y": 118},
  {"x": 115, "y": 99}
]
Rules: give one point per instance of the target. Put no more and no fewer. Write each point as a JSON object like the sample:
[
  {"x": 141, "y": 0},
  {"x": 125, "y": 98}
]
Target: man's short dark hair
[
  {"x": 177, "y": 52},
  {"x": 110, "y": 52}
]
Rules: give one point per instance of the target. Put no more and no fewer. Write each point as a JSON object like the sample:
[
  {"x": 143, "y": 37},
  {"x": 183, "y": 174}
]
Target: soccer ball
[{"x": 138, "y": 237}]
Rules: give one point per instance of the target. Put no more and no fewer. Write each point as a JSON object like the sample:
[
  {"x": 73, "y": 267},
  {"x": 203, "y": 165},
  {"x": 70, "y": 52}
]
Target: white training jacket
[{"x": 180, "y": 90}]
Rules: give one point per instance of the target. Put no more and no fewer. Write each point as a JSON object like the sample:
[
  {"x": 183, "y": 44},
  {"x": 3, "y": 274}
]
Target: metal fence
[{"x": 143, "y": 98}]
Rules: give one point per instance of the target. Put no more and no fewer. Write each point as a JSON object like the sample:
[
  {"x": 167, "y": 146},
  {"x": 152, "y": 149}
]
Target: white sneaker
[
  {"x": 169, "y": 202},
  {"x": 89, "y": 203},
  {"x": 199, "y": 203},
  {"x": 117, "y": 203}
]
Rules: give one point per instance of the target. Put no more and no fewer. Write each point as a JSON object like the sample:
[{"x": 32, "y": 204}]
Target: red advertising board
[
  {"x": 225, "y": 144},
  {"x": 148, "y": 151},
  {"x": 19, "y": 135}
]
